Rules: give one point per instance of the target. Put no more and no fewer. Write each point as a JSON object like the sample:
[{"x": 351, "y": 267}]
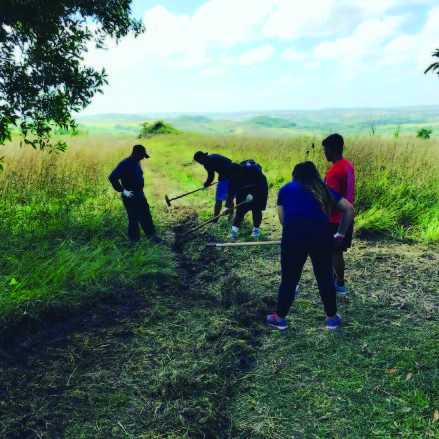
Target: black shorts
[{"x": 347, "y": 240}]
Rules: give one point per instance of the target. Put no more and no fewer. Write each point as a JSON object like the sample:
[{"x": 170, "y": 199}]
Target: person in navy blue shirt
[
  {"x": 127, "y": 178},
  {"x": 303, "y": 208}
]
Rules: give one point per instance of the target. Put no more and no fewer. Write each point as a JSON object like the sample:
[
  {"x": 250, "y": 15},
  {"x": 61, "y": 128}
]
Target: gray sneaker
[
  {"x": 255, "y": 233},
  {"x": 341, "y": 290}
]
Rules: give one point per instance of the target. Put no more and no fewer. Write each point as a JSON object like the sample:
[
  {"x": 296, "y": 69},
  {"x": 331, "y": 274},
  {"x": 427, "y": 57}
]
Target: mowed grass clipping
[{"x": 189, "y": 356}]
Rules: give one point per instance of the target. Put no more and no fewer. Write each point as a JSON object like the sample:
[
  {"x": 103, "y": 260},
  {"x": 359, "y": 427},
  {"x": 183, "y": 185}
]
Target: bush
[
  {"x": 150, "y": 129},
  {"x": 424, "y": 133}
]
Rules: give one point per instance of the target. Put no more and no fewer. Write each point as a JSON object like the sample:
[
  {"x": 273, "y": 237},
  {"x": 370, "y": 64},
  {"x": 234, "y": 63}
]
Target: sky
[{"x": 261, "y": 55}]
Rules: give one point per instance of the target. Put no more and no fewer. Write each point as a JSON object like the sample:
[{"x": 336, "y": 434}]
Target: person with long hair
[{"x": 303, "y": 208}]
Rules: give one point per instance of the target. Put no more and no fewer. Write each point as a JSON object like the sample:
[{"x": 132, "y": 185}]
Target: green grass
[{"x": 169, "y": 341}]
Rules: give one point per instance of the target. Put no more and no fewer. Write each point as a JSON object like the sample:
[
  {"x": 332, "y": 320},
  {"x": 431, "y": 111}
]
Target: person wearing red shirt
[{"x": 340, "y": 178}]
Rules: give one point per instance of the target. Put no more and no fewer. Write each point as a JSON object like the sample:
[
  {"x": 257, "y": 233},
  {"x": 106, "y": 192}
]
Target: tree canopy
[
  {"x": 435, "y": 66},
  {"x": 42, "y": 76}
]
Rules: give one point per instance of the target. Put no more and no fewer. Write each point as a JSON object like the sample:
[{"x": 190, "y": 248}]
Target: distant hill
[
  {"x": 194, "y": 119},
  {"x": 272, "y": 122},
  {"x": 346, "y": 121}
]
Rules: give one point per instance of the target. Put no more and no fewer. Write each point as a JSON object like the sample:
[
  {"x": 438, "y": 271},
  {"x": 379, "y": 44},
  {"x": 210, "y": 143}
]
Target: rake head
[{"x": 168, "y": 201}]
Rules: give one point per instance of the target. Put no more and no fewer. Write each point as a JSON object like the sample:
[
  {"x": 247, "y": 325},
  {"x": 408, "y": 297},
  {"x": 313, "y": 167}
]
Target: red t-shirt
[{"x": 341, "y": 178}]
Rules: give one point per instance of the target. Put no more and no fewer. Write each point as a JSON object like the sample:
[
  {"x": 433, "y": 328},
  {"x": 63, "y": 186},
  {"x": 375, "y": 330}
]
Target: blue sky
[{"x": 234, "y": 55}]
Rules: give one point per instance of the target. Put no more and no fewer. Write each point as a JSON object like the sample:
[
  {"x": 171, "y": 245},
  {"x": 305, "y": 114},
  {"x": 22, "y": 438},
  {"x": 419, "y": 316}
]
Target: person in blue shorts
[
  {"x": 222, "y": 166},
  {"x": 303, "y": 208}
]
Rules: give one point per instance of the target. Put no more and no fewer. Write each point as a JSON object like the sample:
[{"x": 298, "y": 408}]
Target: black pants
[
  {"x": 300, "y": 239},
  {"x": 138, "y": 213}
]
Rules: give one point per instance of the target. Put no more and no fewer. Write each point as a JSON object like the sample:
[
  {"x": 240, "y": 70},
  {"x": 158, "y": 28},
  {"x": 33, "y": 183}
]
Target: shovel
[
  {"x": 168, "y": 201},
  {"x": 249, "y": 199}
]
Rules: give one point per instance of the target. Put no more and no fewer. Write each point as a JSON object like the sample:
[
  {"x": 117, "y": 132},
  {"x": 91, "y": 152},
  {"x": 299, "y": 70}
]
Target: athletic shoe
[
  {"x": 233, "y": 233},
  {"x": 339, "y": 289},
  {"x": 255, "y": 233},
  {"x": 333, "y": 324},
  {"x": 277, "y": 322}
]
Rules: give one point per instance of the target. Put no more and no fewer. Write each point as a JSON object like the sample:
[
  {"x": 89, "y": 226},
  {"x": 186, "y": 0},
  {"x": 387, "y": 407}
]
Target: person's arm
[
  {"x": 115, "y": 176},
  {"x": 281, "y": 214},
  {"x": 210, "y": 175},
  {"x": 347, "y": 215}
]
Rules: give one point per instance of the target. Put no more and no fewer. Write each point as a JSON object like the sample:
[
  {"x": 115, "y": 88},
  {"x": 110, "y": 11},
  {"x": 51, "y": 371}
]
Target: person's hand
[
  {"x": 249, "y": 198},
  {"x": 226, "y": 210},
  {"x": 203, "y": 187},
  {"x": 127, "y": 194},
  {"x": 338, "y": 238}
]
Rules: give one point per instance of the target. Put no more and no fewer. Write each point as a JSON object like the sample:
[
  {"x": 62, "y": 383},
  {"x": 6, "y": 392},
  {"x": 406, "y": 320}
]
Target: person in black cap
[
  {"x": 222, "y": 165},
  {"x": 130, "y": 174}
]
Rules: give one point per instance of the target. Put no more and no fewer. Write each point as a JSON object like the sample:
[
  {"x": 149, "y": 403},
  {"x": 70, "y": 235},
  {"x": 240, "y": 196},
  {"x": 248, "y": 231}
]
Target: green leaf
[{"x": 13, "y": 281}]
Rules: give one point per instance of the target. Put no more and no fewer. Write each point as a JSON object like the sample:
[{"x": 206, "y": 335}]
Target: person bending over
[
  {"x": 221, "y": 165},
  {"x": 247, "y": 179},
  {"x": 341, "y": 178},
  {"x": 303, "y": 208},
  {"x": 130, "y": 174}
]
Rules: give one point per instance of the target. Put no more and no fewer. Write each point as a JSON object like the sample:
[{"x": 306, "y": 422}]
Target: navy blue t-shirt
[
  {"x": 130, "y": 174},
  {"x": 300, "y": 203}
]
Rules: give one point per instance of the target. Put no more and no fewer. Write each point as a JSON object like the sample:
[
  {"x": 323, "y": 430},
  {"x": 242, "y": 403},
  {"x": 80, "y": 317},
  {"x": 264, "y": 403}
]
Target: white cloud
[
  {"x": 294, "y": 19},
  {"x": 414, "y": 49},
  {"x": 254, "y": 56},
  {"x": 215, "y": 71},
  {"x": 362, "y": 49},
  {"x": 293, "y": 55},
  {"x": 284, "y": 80}
]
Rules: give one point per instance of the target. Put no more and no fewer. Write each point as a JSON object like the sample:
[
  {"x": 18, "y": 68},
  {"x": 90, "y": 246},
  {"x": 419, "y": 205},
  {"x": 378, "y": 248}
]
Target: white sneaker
[
  {"x": 255, "y": 233},
  {"x": 340, "y": 290}
]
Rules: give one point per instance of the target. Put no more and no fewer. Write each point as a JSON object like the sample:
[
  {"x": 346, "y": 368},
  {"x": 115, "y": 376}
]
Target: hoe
[
  {"x": 249, "y": 199},
  {"x": 168, "y": 201}
]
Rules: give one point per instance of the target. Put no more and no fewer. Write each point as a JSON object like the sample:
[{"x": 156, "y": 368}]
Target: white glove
[
  {"x": 249, "y": 198},
  {"x": 127, "y": 194},
  {"x": 226, "y": 210},
  {"x": 203, "y": 187},
  {"x": 338, "y": 238}
]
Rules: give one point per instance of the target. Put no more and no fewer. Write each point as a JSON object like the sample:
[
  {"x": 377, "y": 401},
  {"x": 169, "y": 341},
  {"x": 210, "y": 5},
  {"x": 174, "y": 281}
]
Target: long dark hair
[{"x": 309, "y": 179}]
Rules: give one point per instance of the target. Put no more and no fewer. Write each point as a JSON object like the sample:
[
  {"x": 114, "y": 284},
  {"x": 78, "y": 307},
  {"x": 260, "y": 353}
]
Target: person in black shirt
[
  {"x": 247, "y": 179},
  {"x": 130, "y": 174},
  {"x": 222, "y": 165}
]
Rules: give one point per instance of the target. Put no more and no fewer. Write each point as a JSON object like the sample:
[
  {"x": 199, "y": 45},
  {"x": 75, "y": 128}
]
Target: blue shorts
[{"x": 221, "y": 190}]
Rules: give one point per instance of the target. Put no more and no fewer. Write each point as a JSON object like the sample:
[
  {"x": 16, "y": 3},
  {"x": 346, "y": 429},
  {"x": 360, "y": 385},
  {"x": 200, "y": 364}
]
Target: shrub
[
  {"x": 424, "y": 133},
  {"x": 150, "y": 129}
]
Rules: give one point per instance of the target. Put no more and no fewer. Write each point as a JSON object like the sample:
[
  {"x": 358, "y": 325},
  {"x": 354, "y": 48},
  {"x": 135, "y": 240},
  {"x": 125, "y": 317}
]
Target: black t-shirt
[{"x": 217, "y": 163}]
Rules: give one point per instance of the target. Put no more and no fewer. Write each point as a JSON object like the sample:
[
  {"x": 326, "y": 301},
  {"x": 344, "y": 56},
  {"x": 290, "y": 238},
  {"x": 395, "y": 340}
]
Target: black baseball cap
[
  {"x": 140, "y": 149},
  {"x": 199, "y": 155}
]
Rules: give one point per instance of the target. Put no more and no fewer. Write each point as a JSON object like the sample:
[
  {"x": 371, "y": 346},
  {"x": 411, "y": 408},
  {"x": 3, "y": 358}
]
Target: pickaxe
[{"x": 168, "y": 201}]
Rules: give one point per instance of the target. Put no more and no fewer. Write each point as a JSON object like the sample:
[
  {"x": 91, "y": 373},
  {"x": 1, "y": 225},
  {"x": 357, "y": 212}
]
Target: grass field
[{"x": 104, "y": 340}]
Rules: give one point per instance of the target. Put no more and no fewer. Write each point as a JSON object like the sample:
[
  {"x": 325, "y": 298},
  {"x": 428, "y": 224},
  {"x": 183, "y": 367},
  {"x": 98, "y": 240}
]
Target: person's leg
[
  {"x": 239, "y": 218},
  {"x": 217, "y": 209},
  {"x": 257, "y": 218},
  {"x": 339, "y": 266},
  {"x": 292, "y": 262},
  {"x": 321, "y": 258},
  {"x": 145, "y": 217},
  {"x": 133, "y": 218}
]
